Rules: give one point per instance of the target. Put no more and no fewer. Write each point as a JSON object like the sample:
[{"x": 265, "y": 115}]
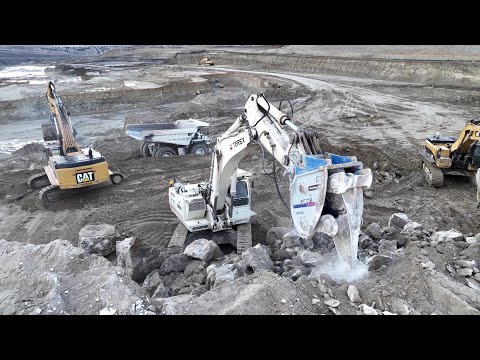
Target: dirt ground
[{"x": 380, "y": 121}]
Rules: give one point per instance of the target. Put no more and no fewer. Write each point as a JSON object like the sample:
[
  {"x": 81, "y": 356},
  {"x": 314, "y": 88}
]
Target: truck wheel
[
  {"x": 165, "y": 151},
  {"x": 144, "y": 150},
  {"x": 198, "y": 149}
]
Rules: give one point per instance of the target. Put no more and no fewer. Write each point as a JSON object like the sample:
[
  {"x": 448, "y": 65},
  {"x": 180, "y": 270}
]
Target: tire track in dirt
[{"x": 154, "y": 228}]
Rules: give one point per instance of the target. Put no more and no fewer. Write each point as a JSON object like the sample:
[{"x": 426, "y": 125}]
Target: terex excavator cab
[
  {"x": 68, "y": 166},
  {"x": 326, "y": 190}
]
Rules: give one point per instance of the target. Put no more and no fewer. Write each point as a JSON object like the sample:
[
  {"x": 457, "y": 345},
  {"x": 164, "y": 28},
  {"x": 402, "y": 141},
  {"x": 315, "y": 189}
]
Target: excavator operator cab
[
  {"x": 242, "y": 196},
  {"x": 239, "y": 203},
  {"x": 241, "y": 210}
]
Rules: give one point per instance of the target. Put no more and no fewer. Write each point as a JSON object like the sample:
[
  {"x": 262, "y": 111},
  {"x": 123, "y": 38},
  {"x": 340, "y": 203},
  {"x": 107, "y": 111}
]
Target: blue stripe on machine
[
  {"x": 338, "y": 159},
  {"x": 311, "y": 163},
  {"x": 307, "y": 204}
]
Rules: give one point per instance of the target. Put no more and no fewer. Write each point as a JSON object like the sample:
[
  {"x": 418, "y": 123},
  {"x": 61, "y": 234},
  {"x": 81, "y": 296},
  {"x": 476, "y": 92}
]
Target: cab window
[{"x": 241, "y": 197}]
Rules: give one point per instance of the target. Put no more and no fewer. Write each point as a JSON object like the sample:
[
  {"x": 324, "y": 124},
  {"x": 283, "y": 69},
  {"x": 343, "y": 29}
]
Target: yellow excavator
[
  {"x": 206, "y": 61},
  {"x": 445, "y": 155},
  {"x": 69, "y": 167}
]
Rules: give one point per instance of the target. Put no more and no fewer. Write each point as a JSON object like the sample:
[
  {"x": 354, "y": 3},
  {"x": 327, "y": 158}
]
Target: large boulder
[
  {"x": 183, "y": 285},
  {"x": 477, "y": 237},
  {"x": 307, "y": 243},
  {"x": 168, "y": 306},
  {"x": 192, "y": 267},
  {"x": 138, "y": 259},
  {"x": 321, "y": 239},
  {"x": 405, "y": 238},
  {"x": 98, "y": 239},
  {"x": 199, "y": 290},
  {"x": 390, "y": 231},
  {"x": 141, "y": 307},
  {"x": 367, "y": 310},
  {"x": 152, "y": 281},
  {"x": 387, "y": 245},
  {"x": 161, "y": 291},
  {"x": 275, "y": 235},
  {"x": 364, "y": 241},
  {"x": 374, "y": 231},
  {"x": 196, "y": 273},
  {"x": 217, "y": 274},
  {"x": 472, "y": 283},
  {"x": 451, "y": 295},
  {"x": 257, "y": 258},
  {"x": 447, "y": 236},
  {"x": 295, "y": 269},
  {"x": 412, "y": 227},
  {"x": 309, "y": 258},
  {"x": 471, "y": 239},
  {"x": 398, "y": 220},
  {"x": 465, "y": 263},
  {"x": 464, "y": 272},
  {"x": 473, "y": 252},
  {"x": 283, "y": 254},
  {"x": 376, "y": 262},
  {"x": 175, "y": 263},
  {"x": 291, "y": 240},
  {"x": 59, "y": 278},
  {"x": 169, "y": 279},
  {"x": 294, "y": 274},
  {"x": 203, "y": 249},
  {"x": 353, "y": 294}
]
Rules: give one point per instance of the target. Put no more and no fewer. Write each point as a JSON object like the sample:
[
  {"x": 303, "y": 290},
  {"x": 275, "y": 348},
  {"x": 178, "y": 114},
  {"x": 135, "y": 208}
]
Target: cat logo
[{"x": 85, "y": 177}]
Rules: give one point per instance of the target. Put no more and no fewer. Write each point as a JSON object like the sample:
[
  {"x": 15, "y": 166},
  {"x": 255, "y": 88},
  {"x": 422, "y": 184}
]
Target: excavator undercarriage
[{"x": 50, "y": 193}]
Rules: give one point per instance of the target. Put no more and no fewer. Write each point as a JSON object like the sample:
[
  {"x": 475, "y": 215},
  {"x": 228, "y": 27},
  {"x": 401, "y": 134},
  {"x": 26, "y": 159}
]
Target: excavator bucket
[
  {"x": 326, "y": 195},
  {"x": 307, "y": 195}
]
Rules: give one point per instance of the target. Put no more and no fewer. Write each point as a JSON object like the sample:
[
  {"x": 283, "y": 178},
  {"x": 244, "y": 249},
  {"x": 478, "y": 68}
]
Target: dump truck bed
[{"x": 179, "y": 132}]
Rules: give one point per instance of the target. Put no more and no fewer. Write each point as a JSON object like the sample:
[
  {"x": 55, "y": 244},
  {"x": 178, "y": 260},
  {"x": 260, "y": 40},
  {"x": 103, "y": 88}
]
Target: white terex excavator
[{"x": 326, "y": 190}]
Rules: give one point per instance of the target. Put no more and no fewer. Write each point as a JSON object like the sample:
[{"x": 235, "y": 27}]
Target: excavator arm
[
  {"x": 469, "y": 135},
  {"x": 62, "y": 122},
  {"x": 326, "y": 190}
]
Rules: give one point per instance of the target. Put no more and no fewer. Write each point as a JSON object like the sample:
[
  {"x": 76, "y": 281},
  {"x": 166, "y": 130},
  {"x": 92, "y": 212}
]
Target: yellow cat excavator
[
  {"x": 206, "y": 61},
  {"x": 444, "y": 155},
  {"x": 69, "y": 167}
]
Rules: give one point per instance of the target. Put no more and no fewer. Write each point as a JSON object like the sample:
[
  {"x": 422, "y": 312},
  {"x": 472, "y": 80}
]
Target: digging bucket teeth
[{"x": 326, "y": 195}]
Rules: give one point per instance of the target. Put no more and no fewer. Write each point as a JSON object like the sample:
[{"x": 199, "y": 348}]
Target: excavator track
[
  {"x": 38, "y": 181},
  {"x": 53, "y": 193},
  {"x": 433, "y": 174},
  {"x": 244, "y": 237},
  {"x": 50, "y": 194},
  {"x": 179, "y": 236}
]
